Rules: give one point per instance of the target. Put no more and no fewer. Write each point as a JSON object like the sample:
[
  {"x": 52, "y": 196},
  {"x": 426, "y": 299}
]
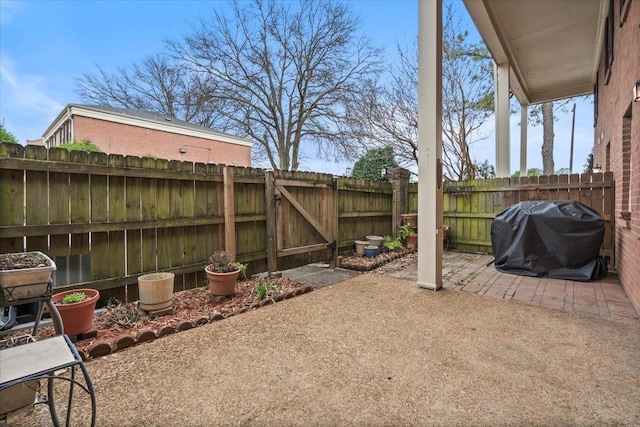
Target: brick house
[
  {"x": 140, "y": 133},
  {"x": 617, "y": 132}
]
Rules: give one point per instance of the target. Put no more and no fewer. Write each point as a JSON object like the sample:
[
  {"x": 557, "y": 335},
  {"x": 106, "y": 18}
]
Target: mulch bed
[
  {"x": 361, "y": 263},
  {"x": 125, "y": 325}
]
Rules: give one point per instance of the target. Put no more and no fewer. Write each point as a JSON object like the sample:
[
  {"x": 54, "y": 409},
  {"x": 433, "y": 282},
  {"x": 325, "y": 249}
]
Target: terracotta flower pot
[
  {"x": 77, "y": 317},
  {"x": 222, "y": 284},
  {"x": 156, "y": 290},
  {"x": 412, "y": 241}
]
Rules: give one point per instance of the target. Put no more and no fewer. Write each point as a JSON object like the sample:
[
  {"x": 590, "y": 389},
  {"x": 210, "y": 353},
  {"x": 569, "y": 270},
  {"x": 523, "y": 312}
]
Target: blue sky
[{"x": 46, "y": 45}]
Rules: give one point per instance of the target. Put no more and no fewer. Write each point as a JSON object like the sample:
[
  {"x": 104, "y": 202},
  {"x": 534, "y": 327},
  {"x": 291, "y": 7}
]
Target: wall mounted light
[
  {"x": 597, "y": 168},
  {"x": 183, "y": 150},
  {"x": 636, "y": 91}
]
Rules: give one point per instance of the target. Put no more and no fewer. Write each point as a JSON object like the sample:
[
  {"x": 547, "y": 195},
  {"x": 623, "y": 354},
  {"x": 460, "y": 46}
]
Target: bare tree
[
  {"x": 158, "y": 84},
  {"x": 285, "y": 73},
  {"x": 467, "y": 96},
  {"x": 388, "y": 115},
  {"x": 390, "y": 112}
]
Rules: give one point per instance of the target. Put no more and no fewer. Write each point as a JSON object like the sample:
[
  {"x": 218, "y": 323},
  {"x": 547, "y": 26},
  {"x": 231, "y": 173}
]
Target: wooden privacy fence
[
  {"x": 107, "y": 219},
  {"x": 470, "y": 206}
]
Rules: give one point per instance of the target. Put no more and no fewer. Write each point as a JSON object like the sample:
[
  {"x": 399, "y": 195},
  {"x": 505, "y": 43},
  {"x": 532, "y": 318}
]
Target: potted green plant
[
  {"x": 223, "y": 272},
  {"x": 409, "y": 235},
  {"x": 76, "y": 309}
]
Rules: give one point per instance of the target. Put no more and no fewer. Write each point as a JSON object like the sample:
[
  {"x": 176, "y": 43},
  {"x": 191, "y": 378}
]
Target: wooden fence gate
[{"x": 302, "y": 215}]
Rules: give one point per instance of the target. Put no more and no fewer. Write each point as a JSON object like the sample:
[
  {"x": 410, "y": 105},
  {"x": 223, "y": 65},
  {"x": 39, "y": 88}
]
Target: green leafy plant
[
  {"x": 243, "y": 270},
  {"x": 262, "y": 289},
  {"x": 222, "y": 262},
  {"x": 391, "y": 243},
  {"x": 85, "y": 145},
  {"x": 73, "y": 298},
  {"x": 6, "y": 136},
  {"x": 405, "y": 231}
]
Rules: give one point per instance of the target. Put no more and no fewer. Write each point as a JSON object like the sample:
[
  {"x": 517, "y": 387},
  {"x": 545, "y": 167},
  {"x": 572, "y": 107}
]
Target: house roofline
[{"x": 122, "y": 118}]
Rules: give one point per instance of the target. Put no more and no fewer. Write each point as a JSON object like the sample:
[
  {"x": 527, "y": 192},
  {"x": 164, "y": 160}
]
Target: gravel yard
[{"x": 376, "y": 350}]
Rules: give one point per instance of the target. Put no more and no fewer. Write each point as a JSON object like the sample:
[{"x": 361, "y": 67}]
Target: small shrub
[
  {"x": 391, "y": 243},
  {"x": 262, "y": 289},
  {"x": 73, "y": 298},
  {"x": 222, "y": 262},
  {"x": 243, "y": 270}
]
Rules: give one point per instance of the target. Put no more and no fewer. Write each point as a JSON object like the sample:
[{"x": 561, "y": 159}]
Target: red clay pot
[
  {"x": 77, "y": 317},
  {"x": 412, "y": 239},
  {"x": 222, "y": 284}
]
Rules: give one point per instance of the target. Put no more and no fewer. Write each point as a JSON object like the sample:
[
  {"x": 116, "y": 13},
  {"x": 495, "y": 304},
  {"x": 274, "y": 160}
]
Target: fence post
[
  {"x": 270, "y": 206},
  {"x": 229, "y": 211},
  {"x": 399, "y": 179}
]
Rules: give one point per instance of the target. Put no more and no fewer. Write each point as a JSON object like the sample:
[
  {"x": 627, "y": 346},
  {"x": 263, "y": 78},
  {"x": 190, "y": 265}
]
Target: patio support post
[
  {"x": 503, "y": 168},
  {"x": 523, "y": 140},
  {"x": 430, "y": 144}
]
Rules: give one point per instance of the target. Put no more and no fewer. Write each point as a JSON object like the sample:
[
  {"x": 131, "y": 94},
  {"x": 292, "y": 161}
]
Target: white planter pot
[{"x": 156, "y": 291}]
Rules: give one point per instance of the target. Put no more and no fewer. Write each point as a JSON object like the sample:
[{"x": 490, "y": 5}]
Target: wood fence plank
[
  {"x": 79, "y": 199},
  {"x": 563, "y": 194},
  {"x": 148, "y": 212},
  {"x": 574, "y": 193},
  {"x": 59, "y": 214},
  {"x": 163, "y": 211},
  {"x": 585, "y": 192},
  {"x": 11, "y": 208},
  {"x": 37, "y": 195},
  {"x": 543, "y": 193},
  {"x": 552, "y": 194},
  {"x": 229, "y": 212}
]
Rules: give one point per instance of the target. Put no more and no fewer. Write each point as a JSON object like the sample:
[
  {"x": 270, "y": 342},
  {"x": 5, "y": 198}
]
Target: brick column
[{"x": 399, "y": 179}]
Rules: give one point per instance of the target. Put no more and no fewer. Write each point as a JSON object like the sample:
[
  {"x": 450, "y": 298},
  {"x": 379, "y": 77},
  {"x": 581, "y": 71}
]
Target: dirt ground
[{"x": 376, "y": 350}]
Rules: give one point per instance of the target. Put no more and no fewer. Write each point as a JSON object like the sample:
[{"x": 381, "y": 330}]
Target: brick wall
[
  {"x": 618, "y": 124},
  {"x": 116, "y": 138}
]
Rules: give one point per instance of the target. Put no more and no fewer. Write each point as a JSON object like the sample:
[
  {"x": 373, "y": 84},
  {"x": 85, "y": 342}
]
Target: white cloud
[{"x": 27, "y": 105}]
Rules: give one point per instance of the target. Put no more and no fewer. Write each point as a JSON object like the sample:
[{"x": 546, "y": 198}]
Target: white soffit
[{"x": 553, "y": 46}]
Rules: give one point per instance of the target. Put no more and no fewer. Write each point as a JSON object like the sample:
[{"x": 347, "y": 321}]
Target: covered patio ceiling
[{"x": 552, "y": 47}]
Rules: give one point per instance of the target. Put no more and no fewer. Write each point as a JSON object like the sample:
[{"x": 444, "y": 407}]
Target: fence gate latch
[{"x": 332, "y": 245}]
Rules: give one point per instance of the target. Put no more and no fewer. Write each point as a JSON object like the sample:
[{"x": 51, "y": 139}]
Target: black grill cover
[{"x": 559, "y": 239}]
